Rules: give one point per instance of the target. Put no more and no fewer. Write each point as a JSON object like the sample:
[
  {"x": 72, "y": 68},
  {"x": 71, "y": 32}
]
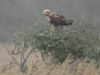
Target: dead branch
[{"x": 17, "y": 48}]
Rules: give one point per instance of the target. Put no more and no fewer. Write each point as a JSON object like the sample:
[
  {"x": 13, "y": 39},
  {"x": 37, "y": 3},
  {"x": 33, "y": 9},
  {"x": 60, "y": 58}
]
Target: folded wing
[{"x": 57, "y": 19}]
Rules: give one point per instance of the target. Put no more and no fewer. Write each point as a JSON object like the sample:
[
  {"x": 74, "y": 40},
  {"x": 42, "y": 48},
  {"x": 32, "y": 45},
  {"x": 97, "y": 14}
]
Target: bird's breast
[{"x": 48, "y": 19}]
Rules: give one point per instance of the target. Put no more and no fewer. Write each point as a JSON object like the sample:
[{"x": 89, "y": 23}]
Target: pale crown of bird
[{"x": 47, "y": 12}]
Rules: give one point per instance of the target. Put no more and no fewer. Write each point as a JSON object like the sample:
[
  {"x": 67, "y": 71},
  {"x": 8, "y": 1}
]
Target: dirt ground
[{"x": 37, "y": 67}]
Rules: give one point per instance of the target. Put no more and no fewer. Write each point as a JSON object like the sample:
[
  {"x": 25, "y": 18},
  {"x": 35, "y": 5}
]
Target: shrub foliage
[{"x": 61, "y": 44}]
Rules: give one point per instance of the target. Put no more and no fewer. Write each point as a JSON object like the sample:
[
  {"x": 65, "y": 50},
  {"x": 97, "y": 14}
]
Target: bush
[{"x": 61, "y": 44}]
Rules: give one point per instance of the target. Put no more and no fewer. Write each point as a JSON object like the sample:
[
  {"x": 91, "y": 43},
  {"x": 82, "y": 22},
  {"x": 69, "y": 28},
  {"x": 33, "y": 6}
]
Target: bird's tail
[{"x": 68, "y": 22}]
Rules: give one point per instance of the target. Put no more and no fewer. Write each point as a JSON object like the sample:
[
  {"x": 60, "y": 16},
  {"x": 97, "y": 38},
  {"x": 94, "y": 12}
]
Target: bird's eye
[{"x": 46, "y": 14}]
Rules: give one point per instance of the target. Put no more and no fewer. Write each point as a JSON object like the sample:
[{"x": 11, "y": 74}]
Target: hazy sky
[{"x": 14, "y": 13}]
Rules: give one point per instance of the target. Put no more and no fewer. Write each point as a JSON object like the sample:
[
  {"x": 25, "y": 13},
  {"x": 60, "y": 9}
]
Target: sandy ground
[
  {"x": 4, "y": 56},
  {"x": 37, "y": 67}
]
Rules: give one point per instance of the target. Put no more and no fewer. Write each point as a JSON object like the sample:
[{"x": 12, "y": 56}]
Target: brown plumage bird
[{"x": 58, "y": 21}]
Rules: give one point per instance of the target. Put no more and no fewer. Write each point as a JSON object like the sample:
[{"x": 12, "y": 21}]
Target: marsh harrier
[{"x": 57, "y": 20}]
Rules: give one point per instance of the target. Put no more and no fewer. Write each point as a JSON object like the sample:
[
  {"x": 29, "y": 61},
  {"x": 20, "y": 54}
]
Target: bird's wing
[{"x": 58, "y": 17}]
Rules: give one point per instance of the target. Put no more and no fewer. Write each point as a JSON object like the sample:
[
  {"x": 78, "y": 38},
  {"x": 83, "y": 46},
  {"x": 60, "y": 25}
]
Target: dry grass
[{"x": 37, "y": 67}]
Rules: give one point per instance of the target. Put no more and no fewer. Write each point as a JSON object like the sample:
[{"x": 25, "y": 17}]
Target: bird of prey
[{"x": 57, "y": 20}]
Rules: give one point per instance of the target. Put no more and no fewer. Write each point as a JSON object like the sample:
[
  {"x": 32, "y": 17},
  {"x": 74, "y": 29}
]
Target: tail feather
[{"x": 68, "y": 22}]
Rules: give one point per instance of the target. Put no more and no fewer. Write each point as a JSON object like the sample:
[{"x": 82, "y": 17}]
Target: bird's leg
[
  {"x": 56, "y": 28},
  {"x": 52, "y": 28}
]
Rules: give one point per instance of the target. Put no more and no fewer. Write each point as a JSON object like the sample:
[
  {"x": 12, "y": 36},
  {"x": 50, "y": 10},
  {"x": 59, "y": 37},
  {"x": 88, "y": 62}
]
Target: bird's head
[{"x": 47, "y": 12}]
